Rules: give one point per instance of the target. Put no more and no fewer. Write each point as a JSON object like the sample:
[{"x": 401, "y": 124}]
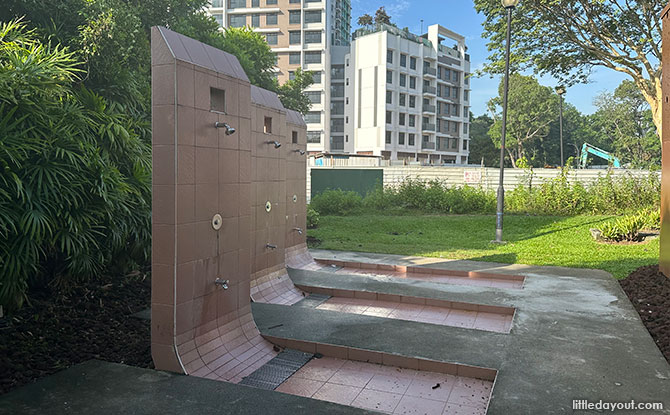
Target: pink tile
[
  {"x": 471, "y": 392},
  {"x": 435, "y": 386},
  {"x": 455, "y": 409},
  {"x": 377, "y": 401},
  {"x": 351, "y": 378},
  {"x": 419, "y": 406},
  {"x": 386, "y": 383},
  {"x": 341, "y": 394},
  {"x": 315, "y": 373},
  {"x": 299, "y": 386}
]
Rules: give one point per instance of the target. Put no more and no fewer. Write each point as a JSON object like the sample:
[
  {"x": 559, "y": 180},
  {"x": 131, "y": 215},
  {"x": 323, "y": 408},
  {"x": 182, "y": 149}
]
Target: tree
[
  {"x": 624, "y": 120},
  {"x": 482, "y": 148},
  {"x": 567, "y": 39},
  {"x": 532, "y": 108},
  {"x": 254, "y": 54},
  {"x": 365, "y": 20},
  {"x": 381, "y": 17},
  {"x": 292, "y": 93}
]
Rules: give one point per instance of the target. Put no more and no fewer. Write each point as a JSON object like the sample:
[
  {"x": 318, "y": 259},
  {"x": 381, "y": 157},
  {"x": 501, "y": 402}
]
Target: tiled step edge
[
  {"x": 386, "y": 359},
  {"x": 369, "y": 295}
]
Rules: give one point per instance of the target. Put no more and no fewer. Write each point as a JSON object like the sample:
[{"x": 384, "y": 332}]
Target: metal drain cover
[{"x": 277, "y": 370}]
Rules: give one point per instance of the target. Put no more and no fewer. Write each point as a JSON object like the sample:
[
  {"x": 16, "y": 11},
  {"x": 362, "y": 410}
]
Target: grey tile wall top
[
  {"x": 294, "y": 117},
  {"x": 190, "y": 50},
  {"x": 266, "y": 98}
]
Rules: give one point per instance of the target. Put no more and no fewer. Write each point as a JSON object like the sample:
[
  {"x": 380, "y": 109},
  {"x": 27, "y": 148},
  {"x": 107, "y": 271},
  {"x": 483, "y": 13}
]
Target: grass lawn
[{"x": 536, "y": 240}]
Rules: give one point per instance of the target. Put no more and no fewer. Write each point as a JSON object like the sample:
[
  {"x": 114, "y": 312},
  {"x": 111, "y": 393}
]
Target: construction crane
[{"x": 589, "y": 149}]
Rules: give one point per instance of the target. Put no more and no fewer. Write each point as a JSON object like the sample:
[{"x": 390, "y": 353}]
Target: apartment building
[
  {"x": 311, "y": 34},
  {"x": 407, "y": 96}
]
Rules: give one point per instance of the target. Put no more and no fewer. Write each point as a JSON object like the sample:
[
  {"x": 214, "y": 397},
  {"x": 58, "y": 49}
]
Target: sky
[{"x": 461, "y": 17}]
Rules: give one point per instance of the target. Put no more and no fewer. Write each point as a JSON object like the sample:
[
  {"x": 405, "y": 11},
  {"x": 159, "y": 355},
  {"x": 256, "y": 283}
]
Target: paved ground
[
  {"x": 102, "y": 388},
  {"x": 575, "y": 334}
]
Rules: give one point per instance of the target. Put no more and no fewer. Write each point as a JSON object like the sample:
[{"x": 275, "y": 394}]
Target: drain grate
[
  {"x": 277, "y": 370},
  {"x": 312, "y": 301}
]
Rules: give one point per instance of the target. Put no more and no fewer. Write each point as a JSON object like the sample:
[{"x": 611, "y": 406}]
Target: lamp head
[
  {"x": 510, "y": 4},
  {"x": 560, "y": 90},
  {"x": 277, "y": 144},
  {"x": 229, "y": 130}
]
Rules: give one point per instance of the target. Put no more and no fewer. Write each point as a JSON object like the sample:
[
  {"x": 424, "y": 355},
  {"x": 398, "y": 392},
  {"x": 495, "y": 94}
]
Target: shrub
[
  {"x": 650, "y": 219},
  {"x": 626, "y": 228},
  {"x": 313, "y": 218},
  {"x": 336, "y": 202},
  {"x": 76, "y": 184}
]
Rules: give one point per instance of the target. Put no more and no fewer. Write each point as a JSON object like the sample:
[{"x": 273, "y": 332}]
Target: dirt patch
[
  {"x": 313, "y": 242},
  {"x": 59, "y": 329},
  {"x": 649, "y": 291}
]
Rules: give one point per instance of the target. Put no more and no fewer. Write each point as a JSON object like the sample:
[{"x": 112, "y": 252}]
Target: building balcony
[
  {"x": 427, "y": 127},
  {"x": 427, "y": 145},
  {"x": 428, "y": 71},
  {"x": 429, "y": 90},
  {"x": 429, "y": 108}
]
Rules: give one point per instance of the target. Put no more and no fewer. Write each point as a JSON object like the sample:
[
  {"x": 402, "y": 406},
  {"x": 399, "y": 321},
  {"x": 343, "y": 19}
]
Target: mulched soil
[
  {"x": 649, "y": 291},
  {"x": 58, "y": 329}
]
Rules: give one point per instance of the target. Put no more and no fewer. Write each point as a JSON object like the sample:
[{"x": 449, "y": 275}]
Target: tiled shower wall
[{"x": 198, "y": 172}]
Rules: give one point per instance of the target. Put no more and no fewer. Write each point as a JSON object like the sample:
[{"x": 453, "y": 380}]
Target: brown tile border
[
  {"x": 385, "y": 359},
  {"x": 422, "y": 269},
  {"x": 369, "y": 295}
]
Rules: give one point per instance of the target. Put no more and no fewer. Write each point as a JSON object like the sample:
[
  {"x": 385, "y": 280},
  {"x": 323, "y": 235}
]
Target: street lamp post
[
  {"x": 560, "y": 90},
  {"x": 509, "y": 5}
]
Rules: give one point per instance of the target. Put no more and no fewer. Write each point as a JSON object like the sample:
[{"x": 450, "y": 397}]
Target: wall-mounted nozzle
[
  {"x": 277, "y": 144},
  {"x": 222, "y": 283},
  {"x": 271, "y": 246},
  {"x": 302, "y": 152},
  {"x": 229, "y": 130},
  {"x": 299, "y": 230}
]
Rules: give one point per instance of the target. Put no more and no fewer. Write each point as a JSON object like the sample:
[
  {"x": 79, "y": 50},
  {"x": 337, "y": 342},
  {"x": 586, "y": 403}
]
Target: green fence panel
[{"x": 360, "y": 181}]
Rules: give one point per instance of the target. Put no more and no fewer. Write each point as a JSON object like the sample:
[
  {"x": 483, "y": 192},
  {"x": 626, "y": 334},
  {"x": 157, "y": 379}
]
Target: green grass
[{"x": 535, "y": 240}]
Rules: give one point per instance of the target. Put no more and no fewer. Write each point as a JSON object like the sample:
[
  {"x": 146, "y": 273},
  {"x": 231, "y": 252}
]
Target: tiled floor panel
[
  {"x": 388, "y": 389},
  {"x": 441, "y": 278},
  {"x": 500, "y": 323}
]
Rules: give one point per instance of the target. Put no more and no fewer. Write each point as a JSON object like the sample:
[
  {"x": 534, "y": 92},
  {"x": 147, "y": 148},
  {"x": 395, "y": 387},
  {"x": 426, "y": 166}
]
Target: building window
[
  {"x": 454, "y": 110},
  {"x": 217, "y": 3},
  {"x": 239, "y": 20},
  {"x": 219, "y": 19},
  {"x": 412, "y": 63},
  {"x": 337, "y": 108},
  {"x": 412, "y": 120},
  {"x": 467, "y": 80},
  {"x": 337, "y": 125},
  {"x": 271, "y": 2},
  {"x": 267, "y": 125},
  {"x": 389, "y": 97},
  {"x": 389, "y": 76},
  {"x": 312, "y": 37},
  {"x": 271, "y": 38},
  {"x": 403, "y": 79},
  {"x": 312, "y": 57},
  {"x": 465, "y": 145},
  {"x": 412, "y": 82},
  {"x": 291, "y": 75},
  {"x": 313, "y": 16},
  {"x": 466, "y": 95},
  {"x": 389, "y": 117},
  {"x": 401, "y": 120},
  {"x": 294, "y": 1},
  {"x": 412, "y": 101},
  {"x": 403, "y": 100},
  {"x": 314, "y": 137},
  {"x": 294, "y": 17},
  {"x": 255, "y": 20},
  {"x": 313, "y": 117},
  {"x": 411, "y": 140},
  {"x": 389, "y": 137},
  {"x": 337, "y": 91},
  {"x": 237, "y": 4},
  {"x": 401, "y": 139},
  {"x": 294, "y": 137},
  {"x": 465, "y": 128},
  {"x": 271, "y": 19},
  {"x": 314, "y": 96},
  {"x": 294, "y": 58},
  {"x": 316, "y": 76},
  {"x": 455, "y": 76},
  {"x": 403, "y": 60},
  {"x": 389, "y": 56},
  {"x": 294, "y": 37},
  {"x": 255, "y": 3}
]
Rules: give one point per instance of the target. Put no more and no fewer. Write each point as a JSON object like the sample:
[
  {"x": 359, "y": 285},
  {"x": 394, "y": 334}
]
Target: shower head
[{"x": 229, "y": 130}]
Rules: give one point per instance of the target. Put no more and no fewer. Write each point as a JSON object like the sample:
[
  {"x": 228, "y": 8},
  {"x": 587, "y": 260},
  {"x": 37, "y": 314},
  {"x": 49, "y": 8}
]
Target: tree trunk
[{"x": 653, "y": 94}]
